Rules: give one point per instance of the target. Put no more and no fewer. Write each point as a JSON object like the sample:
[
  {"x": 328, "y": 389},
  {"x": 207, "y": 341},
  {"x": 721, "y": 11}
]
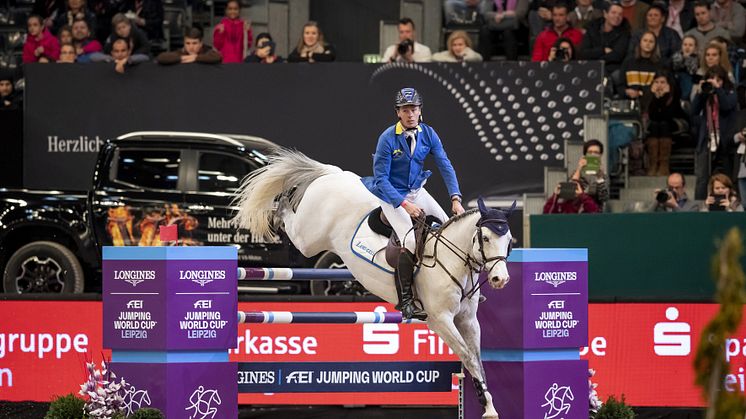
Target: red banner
[{"x": 644, "y": 351}]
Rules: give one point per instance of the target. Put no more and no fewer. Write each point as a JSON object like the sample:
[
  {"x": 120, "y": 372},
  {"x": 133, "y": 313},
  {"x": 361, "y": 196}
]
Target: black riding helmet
[{"x": 407, "y": 96}]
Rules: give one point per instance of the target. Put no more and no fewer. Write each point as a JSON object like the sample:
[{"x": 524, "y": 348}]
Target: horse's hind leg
[{"x": 445, "y": 327}]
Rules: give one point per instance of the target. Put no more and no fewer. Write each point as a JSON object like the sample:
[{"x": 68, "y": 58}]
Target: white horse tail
[{"x": 288, "y": 172}]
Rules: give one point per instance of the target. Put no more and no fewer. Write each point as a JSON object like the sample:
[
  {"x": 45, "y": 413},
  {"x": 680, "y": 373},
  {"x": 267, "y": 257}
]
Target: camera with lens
[
  {"x": 562, "y": 54},
  {"x": 405, "y": 47},
  {"x": 707, "y": 88},
  {"x": 664, "y": 195}
]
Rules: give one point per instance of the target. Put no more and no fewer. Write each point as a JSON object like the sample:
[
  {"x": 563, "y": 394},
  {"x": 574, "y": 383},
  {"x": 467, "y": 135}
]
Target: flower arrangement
[
  {"x": 104, "y": 393},
  {"x": 594, "y": 403}
]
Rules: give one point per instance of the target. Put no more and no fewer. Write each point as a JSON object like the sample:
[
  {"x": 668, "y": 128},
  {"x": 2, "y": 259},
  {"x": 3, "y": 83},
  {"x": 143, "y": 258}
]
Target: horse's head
[{"x": 492, "y": 243}]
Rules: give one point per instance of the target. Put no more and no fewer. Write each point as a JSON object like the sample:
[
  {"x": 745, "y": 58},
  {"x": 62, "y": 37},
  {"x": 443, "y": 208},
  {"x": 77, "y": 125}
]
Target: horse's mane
[{"x": 459, "y": 217}]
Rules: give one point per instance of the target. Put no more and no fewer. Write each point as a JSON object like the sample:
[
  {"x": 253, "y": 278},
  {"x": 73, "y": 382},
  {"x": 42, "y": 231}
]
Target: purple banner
[
  {"x": 182, "y": 390},
  {"x": 541, "y": 389},
  {"x": 134, "y": 301},
  {"x": 545, "y": 305}
]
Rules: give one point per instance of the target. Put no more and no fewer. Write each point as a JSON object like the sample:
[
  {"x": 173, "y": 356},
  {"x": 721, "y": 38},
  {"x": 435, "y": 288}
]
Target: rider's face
[{"x": 409, "y": 115}]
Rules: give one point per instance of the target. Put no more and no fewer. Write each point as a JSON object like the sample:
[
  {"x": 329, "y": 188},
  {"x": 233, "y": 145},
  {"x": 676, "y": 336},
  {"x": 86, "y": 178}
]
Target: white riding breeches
[{"x": 400, "y": 220}]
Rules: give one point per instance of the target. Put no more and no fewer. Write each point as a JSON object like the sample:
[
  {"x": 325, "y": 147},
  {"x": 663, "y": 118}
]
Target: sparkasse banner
[{"x": 635, "y": 349}]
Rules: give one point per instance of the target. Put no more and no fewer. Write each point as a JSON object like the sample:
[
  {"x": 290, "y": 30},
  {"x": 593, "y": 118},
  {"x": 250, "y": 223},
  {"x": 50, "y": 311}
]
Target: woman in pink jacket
[
  {"x": 41, "y": 46},
  {"x": 228, "y": 36}
]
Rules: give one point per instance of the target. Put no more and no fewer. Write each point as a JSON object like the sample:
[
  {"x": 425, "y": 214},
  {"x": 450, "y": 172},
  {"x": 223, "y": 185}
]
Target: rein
[{"x": 471, "y": 263}]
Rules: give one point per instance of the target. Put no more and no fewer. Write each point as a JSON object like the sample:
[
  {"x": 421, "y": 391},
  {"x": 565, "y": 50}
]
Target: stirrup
[{"x": 413, "y": 310}]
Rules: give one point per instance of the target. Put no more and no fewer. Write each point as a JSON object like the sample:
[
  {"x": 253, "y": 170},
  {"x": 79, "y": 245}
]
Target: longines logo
[
  {"x": 134, "y": 277},
  {"x": 555, "y": 278},
  {"x": 202, "y": 277}
]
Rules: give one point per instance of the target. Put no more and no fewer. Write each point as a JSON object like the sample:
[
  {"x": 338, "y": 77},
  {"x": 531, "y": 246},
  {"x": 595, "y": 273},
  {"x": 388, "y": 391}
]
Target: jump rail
[
  {"x": 351, "y": 317},
  {"x": 285, "y": 274}
]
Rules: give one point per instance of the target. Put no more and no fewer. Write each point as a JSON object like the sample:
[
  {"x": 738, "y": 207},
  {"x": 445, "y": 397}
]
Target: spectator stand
[
  {"x": 177, "y": 15},
  {"x": 13, "y": 15}
]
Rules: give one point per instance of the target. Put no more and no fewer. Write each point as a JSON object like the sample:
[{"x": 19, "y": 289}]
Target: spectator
[
  {"x": 583, "y": 14},
  {"x": 408, "y": 49},
  {"x": 86, "y": 48},
  {"x": 721, "y": 196},
  {"x": 560, "y": 28},
  {"x": 312, "y": 48},
  {"x": 67, "y": 54},
  {"x": 668, "y": 41},
  {"x": 731, "y": 52},
  {"x": 714, "y": 55},
  {"x": 9, "y": 99},
  {"x": 731, "y": 16},
  {"x": 634, "y": 11},
  {"x": 139, "y": 45},
  {"x": 705, "y": 29},
  {"x": 459, "y": 49},
  {"x": 562, "y": 50},
  {"x": 685, "y": 64},
  {"x": 40, "y": 46},
  {"x": 740, "y": 140},
  {"x": 65, "y": 35},
  {"x": 194, "y": 51},
  {"x": 75, "y": 10},
  {"x": 460, "y": 12},
  {"x": 714, "y": 108},
  {"x": 674, "y": 198},
  {"x": 592, "y": 177},
  {"x": 680, "y": 16},
  {"x": 638, "y": 71},
  {"x": 105, "y": 10},
  {"x": 231, "y": 33},
  {"x": 663, "y": 110},
  {"x": 148, "y": 16},
  {"x": 581, "y": 203},
  {"x": 501, "y": 17},
  {"x": 264, "y": 51},
  {"x": 607, "y": 38},
  {"x": 122, "y": 57},
  {"x": 540, "y": 16}
]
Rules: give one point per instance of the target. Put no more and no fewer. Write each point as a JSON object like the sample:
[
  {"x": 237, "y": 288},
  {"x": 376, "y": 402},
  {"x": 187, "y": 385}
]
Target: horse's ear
[
  {"x": 510, "y": 211},
  {"x": 482, "y": 208}
]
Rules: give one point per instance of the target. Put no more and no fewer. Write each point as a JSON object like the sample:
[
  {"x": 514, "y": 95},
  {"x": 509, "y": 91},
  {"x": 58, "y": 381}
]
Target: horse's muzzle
[{"x": 500, "y": 277}]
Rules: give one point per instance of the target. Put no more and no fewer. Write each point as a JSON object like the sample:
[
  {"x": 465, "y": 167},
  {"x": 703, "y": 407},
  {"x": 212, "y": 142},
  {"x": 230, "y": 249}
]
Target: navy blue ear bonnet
[{"x": 494, "y": 219}]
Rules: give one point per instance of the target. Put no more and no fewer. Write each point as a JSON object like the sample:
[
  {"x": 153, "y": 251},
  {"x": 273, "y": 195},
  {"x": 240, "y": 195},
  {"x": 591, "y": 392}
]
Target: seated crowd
[{"x": 680, "y": 61}]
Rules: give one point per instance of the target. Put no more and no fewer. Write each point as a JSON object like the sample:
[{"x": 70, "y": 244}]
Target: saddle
[{"x": 379, "y": 224}]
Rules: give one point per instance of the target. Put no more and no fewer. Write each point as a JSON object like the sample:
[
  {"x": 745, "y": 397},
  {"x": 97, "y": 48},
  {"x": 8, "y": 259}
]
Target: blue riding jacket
[{"x": 396, "y": 171}]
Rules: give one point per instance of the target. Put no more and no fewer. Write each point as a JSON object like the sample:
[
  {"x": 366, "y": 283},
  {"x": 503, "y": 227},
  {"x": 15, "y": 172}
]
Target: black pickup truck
[{"x": 50, "y": 241}]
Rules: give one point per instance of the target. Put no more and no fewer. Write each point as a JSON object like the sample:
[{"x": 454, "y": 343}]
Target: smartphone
[
  {"x": 593, "y": 165},
  {"x": 567, "y": 190},
  {"x": 716, "y": 206}
]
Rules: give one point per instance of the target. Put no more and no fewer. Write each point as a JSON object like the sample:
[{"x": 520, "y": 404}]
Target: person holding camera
[
  {"x": 674, "y": 197},
  {"x": 663, "y": 111},
  {"x": 563, "y": 50},
  {"x": 560, "y": 28},
  {"x": 714, "y": 108},
  {"x": 264, "y": 51},
  {"x": 590, "y": 173},
  {"x": 570, "y": 198},
  {"x": 408, "y": 50},
  {"x": 715, "y": 54},
  {"x": 459, "y": 50},
  {"x": 312, "y": 47},
  {"x": 721, "y": 196}
]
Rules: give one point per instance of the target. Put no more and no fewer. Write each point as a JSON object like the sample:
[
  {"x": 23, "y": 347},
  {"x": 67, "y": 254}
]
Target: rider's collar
[{"x": 400, "y": 128}]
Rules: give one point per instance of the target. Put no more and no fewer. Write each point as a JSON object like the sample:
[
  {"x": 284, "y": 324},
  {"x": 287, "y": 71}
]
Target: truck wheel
[
  {"x": 330, "y": 260},
  {"x": 43, "y": 267}
]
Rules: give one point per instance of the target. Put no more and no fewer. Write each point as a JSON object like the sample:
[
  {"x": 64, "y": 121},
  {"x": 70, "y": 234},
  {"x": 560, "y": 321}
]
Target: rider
[{"x": 399, "y": 179}]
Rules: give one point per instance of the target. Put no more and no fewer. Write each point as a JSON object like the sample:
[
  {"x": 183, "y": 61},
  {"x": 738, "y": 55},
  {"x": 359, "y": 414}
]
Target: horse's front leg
[{"x": 445, "y": 327}]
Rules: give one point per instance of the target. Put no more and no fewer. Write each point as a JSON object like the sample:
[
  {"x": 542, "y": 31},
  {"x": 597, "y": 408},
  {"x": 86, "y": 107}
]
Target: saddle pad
[{"x": 370, "y": 246}]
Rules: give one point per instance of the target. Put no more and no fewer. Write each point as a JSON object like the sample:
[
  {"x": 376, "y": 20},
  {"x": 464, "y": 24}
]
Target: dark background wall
[
  {"x": 339, "y": 19},
  {"x": 500, "y": 123}
]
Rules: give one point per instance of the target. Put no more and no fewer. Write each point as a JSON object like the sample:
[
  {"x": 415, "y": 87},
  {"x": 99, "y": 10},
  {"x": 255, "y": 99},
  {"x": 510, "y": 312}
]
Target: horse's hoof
[{"x": 490, "y": 416}]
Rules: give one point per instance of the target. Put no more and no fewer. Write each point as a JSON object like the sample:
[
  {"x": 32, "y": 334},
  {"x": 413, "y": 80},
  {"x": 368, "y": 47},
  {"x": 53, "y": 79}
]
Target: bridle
[{"x": 475, "y": 266}]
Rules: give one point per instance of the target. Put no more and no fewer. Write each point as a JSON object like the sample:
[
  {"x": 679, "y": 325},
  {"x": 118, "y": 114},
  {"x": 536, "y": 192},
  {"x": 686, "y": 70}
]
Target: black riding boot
[{"x": 404, "y": 280}]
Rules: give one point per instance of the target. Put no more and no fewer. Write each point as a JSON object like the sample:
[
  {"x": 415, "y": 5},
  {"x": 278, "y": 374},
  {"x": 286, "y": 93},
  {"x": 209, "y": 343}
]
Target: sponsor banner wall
[
  {"x": 645, "y": 351},
  {"x": 501, "y": 123}
]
